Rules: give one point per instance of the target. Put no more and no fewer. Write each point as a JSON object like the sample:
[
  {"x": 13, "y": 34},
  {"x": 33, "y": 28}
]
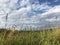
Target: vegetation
[{"x": 42, "y": 37}]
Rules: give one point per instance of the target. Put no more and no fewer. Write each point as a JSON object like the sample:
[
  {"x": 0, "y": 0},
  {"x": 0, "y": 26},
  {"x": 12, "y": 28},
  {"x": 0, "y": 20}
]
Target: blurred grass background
[{"x": 41, "y": 37}]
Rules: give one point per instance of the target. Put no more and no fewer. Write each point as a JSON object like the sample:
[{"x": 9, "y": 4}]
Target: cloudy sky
[{"x": 37, "y": 13}]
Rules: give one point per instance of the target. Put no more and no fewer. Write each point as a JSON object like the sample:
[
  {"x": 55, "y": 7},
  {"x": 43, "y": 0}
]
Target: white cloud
[
  {"x": 55, "y": 0},
  {"x": 3, "y": 1},
  {"x": 53, "y": 19},
  {"x": 18, "y": 16},
  {"x": 43, "y": 7},
  {"x": 54, "y": 9},
  {"x": 25, "y": 2}
]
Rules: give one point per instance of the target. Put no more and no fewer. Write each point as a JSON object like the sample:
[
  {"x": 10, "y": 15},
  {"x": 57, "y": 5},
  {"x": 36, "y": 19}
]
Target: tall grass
[{"x": 42, "y": 37}]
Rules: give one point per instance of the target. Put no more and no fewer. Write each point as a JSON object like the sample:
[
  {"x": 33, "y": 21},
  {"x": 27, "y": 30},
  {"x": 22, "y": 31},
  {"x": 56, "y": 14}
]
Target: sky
[{"x": 30, "y": 13}]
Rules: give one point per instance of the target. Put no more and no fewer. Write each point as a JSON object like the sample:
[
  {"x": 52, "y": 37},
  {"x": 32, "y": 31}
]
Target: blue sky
[{"x": 40, "y": 12}]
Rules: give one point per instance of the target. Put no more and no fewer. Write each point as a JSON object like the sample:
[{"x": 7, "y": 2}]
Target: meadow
[{"x": 41, "y": 37}]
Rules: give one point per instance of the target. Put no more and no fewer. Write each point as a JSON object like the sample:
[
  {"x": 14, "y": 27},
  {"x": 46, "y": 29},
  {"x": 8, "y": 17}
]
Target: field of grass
[{"x": 42, "y": 37}]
